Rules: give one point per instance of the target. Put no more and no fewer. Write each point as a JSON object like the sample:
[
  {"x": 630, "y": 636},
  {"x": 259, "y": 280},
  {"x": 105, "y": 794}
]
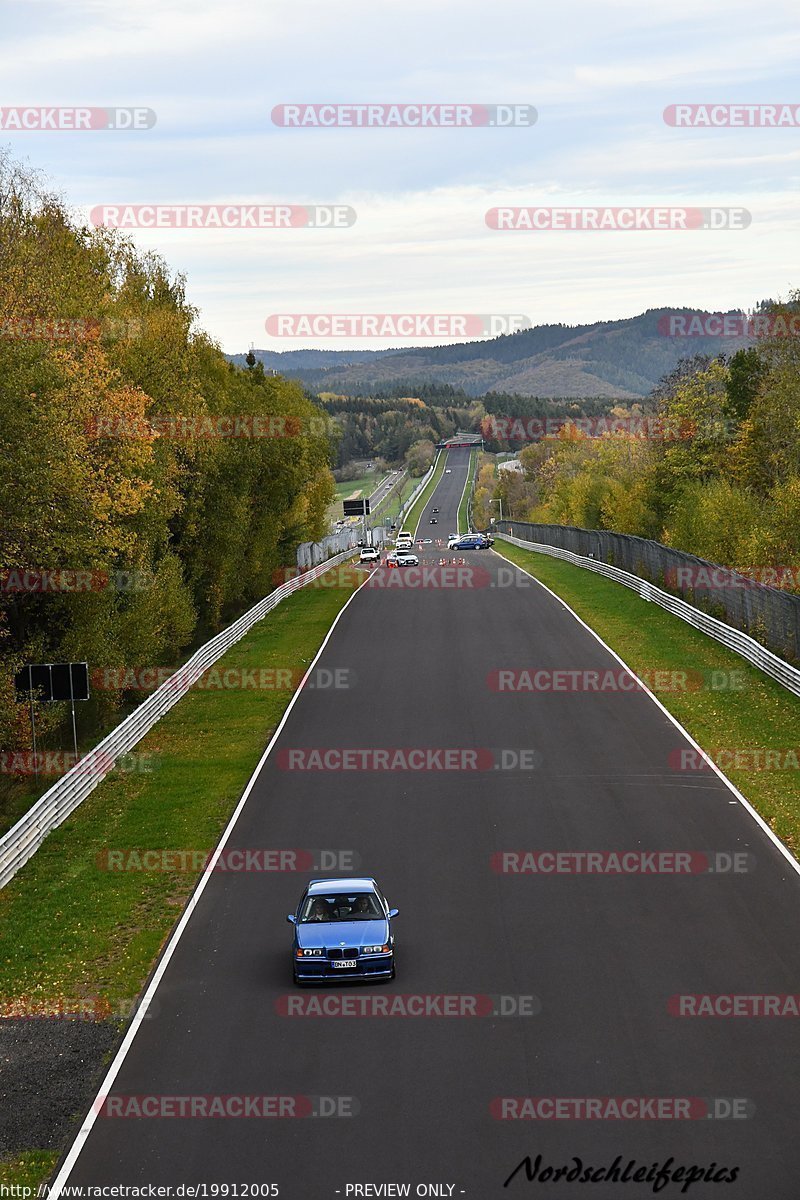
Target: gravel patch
[{"x": 50, "y": 1070}]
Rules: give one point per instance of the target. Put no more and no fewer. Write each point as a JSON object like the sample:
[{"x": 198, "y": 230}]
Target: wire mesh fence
[{"x": 769, "y": 614}]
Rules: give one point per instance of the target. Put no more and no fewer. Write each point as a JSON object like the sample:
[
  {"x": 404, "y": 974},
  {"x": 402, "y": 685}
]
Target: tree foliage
[
  {"x": 102, "y": 371},
  {"x": 719, "y": 476}
]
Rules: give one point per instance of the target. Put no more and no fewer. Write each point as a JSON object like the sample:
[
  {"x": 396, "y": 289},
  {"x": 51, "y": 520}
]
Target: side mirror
[
  {"x": 291, "y": 919},
  {"x": 393, "y": 912}
]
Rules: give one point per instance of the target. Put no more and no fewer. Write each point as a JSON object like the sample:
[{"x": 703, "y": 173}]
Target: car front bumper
[{"x": 371, "y": 966}]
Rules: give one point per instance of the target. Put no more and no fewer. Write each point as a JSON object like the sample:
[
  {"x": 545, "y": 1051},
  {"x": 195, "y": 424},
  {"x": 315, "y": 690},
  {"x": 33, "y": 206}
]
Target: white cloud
[{"x": 599, "y": 75}]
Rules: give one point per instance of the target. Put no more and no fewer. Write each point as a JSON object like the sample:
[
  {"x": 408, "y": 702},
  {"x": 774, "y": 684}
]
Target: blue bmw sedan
[{"x": 342, "y": 931}]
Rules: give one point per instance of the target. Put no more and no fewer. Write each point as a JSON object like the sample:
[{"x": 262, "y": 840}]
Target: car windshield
[{"x": 358, "y": 906}]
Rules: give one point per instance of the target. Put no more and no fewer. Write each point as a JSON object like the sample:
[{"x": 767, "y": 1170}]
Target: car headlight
[
  {"x": 374, "y": 949},
  {"x": 310, "y": 953}
]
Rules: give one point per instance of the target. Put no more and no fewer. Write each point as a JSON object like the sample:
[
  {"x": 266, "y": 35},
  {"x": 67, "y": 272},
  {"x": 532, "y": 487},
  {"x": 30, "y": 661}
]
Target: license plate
[{"x": 344, "y": 962}]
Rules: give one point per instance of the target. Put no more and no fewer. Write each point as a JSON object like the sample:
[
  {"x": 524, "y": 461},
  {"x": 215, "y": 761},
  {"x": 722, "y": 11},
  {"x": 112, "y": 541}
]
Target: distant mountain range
[{"x": 618, "y": 359}]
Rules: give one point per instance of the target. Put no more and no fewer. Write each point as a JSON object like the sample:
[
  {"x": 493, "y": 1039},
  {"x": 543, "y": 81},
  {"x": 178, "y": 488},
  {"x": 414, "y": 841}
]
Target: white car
[
  {"x": 447, "y": 471},
  {"x": 453, "y": 540},
  {"x": 369, "y": 554},
  {"x": 403, "y": 559}
]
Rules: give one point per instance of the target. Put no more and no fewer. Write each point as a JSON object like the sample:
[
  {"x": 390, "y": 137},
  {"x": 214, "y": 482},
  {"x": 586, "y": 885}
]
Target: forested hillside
[{"x": 716, "y": 473}]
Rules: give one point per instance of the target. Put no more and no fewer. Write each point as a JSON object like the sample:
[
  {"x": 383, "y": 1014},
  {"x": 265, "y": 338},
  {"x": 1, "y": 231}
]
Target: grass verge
[
  {"x": 70, "y": 929},
  {"x": 411, "y": 519},
  {"x": 731, "y": 723},
  {"x": 74, "y": 934},
  {"x": 27, "y": 1170}
]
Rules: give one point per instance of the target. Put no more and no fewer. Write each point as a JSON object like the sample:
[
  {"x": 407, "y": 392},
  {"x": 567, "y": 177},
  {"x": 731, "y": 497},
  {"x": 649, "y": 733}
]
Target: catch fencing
[
  {"x": 736, "y": 640},
  {"x": 769, "y": 614},
  {"x": 311, "y": 554}
]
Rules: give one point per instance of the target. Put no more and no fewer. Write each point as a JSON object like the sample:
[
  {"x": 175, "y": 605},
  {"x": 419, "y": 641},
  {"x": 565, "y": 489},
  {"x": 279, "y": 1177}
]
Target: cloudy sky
[{"x": 599, "y": 76}]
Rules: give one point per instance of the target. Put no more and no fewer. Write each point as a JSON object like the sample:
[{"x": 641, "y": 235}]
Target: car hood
[{"x": 333, "y": 933}]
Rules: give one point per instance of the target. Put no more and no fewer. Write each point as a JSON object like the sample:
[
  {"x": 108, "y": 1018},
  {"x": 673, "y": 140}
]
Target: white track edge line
[
  {"x": 773, "y": 837},
  {"x": 458, "y": 510},
  {"x": 433, "y": 493},
  {"x": 139, "y": 1015}
]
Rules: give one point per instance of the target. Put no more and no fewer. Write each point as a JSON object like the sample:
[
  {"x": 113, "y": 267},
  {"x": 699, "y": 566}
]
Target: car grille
[{"x": 351, "y": 952}]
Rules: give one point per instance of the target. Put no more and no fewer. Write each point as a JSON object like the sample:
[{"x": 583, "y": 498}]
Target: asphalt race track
[{"x": 580, "y": 968}]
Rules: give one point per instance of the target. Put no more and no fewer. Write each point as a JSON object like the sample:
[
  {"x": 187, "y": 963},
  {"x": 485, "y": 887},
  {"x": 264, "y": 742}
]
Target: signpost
[
  {"x": 54, "y": 682},
  {"x": 356, "y": 508}
]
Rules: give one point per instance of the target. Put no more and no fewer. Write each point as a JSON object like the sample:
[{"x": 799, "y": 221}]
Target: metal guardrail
[
  {"x": 734, "y": 639},
  {"x": 768, "y": 613},
  {"x": 376, "y": 511},
  {"x": 22, "y": 841}
]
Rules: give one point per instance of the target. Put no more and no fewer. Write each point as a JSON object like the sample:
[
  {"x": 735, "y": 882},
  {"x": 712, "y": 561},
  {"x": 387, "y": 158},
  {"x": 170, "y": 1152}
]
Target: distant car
[
  {"x": 447, "y": 471},
  {"x": 369, "y": 554},
  {"x": 434, "y": 510},
  {"x": 434, "y": 520},
  {"x": 470, "y": 541},
  {"x": 403, "y": 558},
  {"x": 342, "y": 930}
]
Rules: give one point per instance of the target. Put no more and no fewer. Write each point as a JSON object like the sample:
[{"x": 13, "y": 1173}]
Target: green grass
[
  {"x": 411, "y": 519},
  {"x": 463, "y": 508},
  {"x": 760, "y": 715},
  {"x": 363, "y": 486},
  {"x": 27, "y": 1169},
  {"x": 69, "y": 929},
  {"x": 354, "y": 487}
]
